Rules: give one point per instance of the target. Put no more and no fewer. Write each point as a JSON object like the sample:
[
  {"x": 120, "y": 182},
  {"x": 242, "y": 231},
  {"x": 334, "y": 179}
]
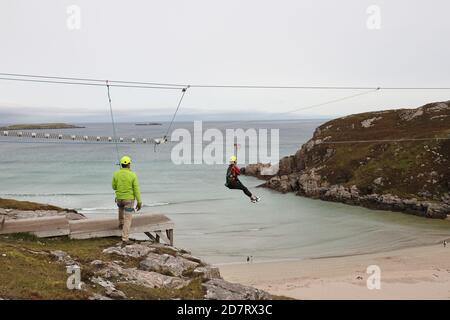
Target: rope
[
  {"x": 175, "y": 85},
  {"x": 183, "y": 92},
  {"x": 113, "y": 123},
  {"x": 305, "y": 108},
  {"x": 88, "y": 84}
]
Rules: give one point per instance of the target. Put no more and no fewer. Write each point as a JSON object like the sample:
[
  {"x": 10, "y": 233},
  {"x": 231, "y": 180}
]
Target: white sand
[{"x": 413, "y": 273}]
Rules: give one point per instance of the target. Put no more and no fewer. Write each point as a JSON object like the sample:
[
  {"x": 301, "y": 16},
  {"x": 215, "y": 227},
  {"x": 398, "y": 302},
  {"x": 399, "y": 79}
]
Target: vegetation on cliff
[
  {"x": 27, "y": 205},
  {"x": 378, "y": 159}
]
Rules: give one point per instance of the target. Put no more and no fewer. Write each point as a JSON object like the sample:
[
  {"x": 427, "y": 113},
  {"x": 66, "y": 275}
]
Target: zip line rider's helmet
[
  {"x": 233, "y": 159},
  {"x": 126, "y": 160}
]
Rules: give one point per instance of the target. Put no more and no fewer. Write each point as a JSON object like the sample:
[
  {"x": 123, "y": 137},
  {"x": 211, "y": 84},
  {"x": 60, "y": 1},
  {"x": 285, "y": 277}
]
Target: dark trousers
[{"x": 238, "y": 185}]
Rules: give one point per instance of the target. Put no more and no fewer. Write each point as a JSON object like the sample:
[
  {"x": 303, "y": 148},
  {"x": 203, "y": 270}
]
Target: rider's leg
[{"x": 247, "y": 192}]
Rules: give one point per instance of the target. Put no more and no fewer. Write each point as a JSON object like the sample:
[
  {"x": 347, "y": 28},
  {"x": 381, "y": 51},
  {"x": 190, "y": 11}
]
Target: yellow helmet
[
  {"x": 233, "y": 158},
  {"x": 125, "y": 160}
]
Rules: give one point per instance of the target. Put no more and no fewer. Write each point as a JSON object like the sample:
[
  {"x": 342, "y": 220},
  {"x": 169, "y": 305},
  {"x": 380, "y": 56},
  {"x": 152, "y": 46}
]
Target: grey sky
[{"x": 221, "y": 42}]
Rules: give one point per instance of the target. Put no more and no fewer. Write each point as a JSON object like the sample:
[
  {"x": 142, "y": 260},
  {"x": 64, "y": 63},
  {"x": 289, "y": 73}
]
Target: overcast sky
[{"x": 282, "y": 42}]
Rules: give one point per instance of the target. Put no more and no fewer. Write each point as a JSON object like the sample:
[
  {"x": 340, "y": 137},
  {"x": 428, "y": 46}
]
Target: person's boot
[{"x": 125, "y": 243}]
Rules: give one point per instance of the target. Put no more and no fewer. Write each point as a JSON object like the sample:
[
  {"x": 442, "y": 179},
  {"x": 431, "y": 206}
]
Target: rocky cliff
[
  {"x": 35, "y": 268},
  {"x": 392, "y": 160}
]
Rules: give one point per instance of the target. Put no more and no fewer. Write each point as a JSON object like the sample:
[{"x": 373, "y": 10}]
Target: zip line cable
[
  {"x": 164, "y": 139},
  {"x": 89, "y": 84},
  {"x": 330, "y": 101},
  {"x": 113, "y": 123},
  {"x": 184, "y": 90},
  {"x": 307, "y": 107},
  {"x": 88, "y": 79},
  {"x": 173, "y": 85}
]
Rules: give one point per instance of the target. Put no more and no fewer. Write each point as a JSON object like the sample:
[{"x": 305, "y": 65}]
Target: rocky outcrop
[
  {"x": 103, "y": 269},
  {"x": 167, "y": 264},
  {"x": 395, "y": 160},
  {"x": 218, "y": 289},
  {"x": 162, "y": 267},
  {"x": 28, "y": 214},
  {"x": 14, "y": 209}
]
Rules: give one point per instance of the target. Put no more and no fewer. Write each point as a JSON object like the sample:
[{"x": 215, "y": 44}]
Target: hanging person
[
  {"x": 125, "y": 183},
  {"x": 233, "y": 182}
]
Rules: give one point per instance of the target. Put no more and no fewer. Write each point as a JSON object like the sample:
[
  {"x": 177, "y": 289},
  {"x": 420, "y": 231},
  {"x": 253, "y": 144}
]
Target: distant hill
[
  {"x": 40, "y": 126},
  {"x": 389, "y": 160}
]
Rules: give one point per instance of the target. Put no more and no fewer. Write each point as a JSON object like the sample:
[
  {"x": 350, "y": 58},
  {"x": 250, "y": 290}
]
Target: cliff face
[{"x": 359, "y": 160}]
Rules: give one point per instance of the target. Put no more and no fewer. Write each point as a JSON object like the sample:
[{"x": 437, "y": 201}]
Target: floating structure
[{"x": 85, "y": 138}]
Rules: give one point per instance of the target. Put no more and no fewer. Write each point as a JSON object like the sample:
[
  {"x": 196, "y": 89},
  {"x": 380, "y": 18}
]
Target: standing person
[
  {"x": 233, "y": 182},
  {"x": 126, "y": 185}
]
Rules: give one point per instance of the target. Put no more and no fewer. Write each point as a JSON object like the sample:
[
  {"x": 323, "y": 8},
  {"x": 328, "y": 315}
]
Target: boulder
[
  {"x": 437, "y": 210},
  {"x": 140, "y": 277},
  {"x": 208, "y": 272},
  {"x": 218, "y": 289},
  {"x": 133, "y": 250},
  {"x": 63, "y": 257},
  {"x": 167, "y": 264},
  {"x": 109, "y": 287},
  {"x": 97, "y": 296},
  {"x": 191, "y": 258},
  {"x": 286, "y": 165},
  {"x": 152, "y": 279}
]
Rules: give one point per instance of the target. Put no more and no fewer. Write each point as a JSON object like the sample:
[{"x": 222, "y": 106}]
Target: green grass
[
  {"x": 194, "y": 290},
  {"x": 29, "y": 274},
  {"x": 29, "y": 271}
]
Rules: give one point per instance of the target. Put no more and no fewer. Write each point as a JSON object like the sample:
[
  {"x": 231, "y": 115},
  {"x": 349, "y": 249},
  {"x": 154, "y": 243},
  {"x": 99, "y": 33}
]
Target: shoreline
[
  {"x": 410, "y": 273},
  {"x": 281, "y": 260}
]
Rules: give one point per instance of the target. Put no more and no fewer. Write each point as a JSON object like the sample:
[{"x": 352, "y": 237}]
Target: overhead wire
[
  {"x": 223, "y": 86},
  {"x": 176, "y": 86},
  {"x": 113, "y": 123}
]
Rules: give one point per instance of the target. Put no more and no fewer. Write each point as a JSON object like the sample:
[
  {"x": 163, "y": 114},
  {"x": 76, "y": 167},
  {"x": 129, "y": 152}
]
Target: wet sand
[{"x": 412, "y": 273}]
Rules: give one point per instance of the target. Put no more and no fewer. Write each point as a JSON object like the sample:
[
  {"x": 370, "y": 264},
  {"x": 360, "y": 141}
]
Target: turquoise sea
[{"x": 213, "y": 222}]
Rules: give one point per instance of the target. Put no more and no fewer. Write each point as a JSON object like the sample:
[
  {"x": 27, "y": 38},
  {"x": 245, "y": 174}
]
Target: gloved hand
[{"x": 138, "y": 206}]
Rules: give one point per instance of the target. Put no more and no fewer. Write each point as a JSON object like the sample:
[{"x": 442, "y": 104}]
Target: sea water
[{"x": 215, "y": 223}]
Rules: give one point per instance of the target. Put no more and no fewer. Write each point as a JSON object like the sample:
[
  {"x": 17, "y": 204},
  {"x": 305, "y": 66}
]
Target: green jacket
[{"x": 126, "y": 184}]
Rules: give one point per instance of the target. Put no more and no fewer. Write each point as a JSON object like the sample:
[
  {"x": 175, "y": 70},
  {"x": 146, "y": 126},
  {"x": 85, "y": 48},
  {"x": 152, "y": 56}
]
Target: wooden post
[
  {"x": 2, "y": 222},
  {"x": 170, "y": 236},
  {"x": 150, "y": 236}
]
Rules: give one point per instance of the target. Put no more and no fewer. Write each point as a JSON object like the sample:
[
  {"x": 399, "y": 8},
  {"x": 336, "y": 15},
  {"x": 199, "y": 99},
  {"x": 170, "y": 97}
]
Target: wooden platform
[{"x": 156, "y": 226}]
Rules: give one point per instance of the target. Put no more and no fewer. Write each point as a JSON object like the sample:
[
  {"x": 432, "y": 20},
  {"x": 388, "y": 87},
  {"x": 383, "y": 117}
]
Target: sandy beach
[{"x": 412, "y": 273}]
